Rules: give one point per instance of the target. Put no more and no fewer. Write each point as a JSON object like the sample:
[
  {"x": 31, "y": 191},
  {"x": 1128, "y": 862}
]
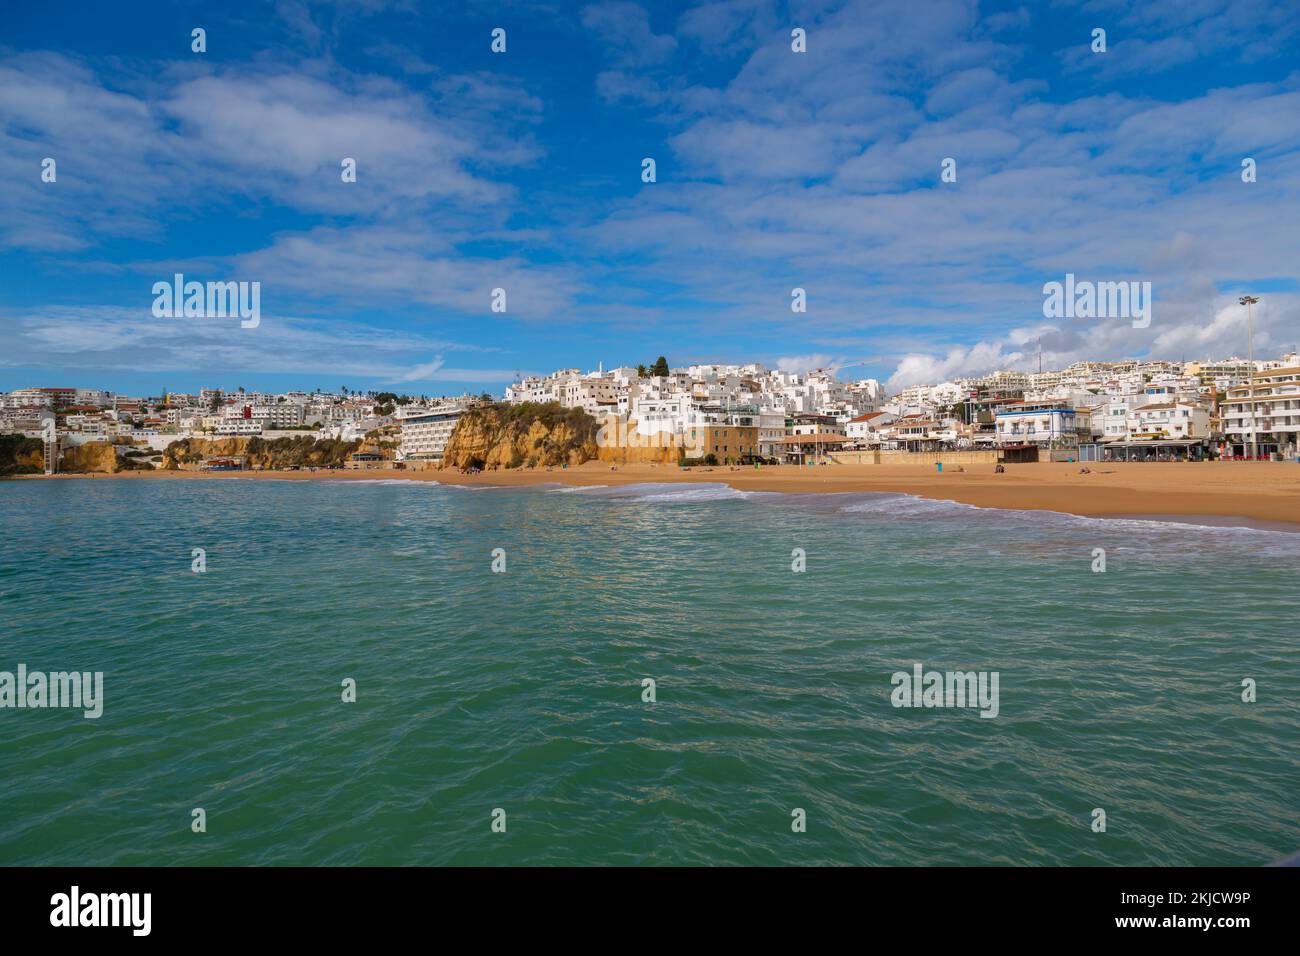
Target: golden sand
[{"x": 1258, "y": 491}]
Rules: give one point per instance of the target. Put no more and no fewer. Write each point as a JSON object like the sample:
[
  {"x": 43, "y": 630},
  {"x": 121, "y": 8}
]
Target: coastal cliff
[
  {"x": 623, "y": 445},
  {"x": 260, "y": 454},
  {"x": 21, "y": 456},
  {"x": 514, "y": 436},
  {"x": 97, "y": 456}
]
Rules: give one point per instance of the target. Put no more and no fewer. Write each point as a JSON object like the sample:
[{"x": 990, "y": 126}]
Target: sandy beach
[{"x": 1260, "y": 492}]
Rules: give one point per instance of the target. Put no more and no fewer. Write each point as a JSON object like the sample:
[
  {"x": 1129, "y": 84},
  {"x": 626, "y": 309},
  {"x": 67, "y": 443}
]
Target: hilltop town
[{"x": 719, "y": 414}]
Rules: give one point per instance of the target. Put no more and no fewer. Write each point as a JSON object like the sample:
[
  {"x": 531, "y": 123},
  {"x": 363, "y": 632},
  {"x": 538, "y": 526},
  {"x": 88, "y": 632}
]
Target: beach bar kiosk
[{"x": 1017, "y": 454}]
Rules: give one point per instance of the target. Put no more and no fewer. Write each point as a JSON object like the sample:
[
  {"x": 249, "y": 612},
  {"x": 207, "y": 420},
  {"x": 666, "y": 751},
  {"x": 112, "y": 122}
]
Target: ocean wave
[
  {"x": 1191, "y": 523},
  {"x": 645, "y": 492},
  {"x": 375, "y": 481},
  {"x": 901, "y": 504},
  {"x": 409, "y": 482},
  {"x": 891, "y": 504}
]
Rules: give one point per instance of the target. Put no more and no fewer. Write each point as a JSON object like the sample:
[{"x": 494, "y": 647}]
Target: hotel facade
[
  {"x": 425, "y": 432},
  {"x": 1265, "y": 411}
]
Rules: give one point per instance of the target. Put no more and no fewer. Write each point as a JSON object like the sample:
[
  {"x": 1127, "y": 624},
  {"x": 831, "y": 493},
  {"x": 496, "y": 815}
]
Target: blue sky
[{"x": 522, "y": 171}]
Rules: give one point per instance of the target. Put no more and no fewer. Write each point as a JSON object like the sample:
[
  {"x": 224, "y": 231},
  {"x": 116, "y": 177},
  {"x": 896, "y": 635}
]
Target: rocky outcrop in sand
[
  {"x": 96, "y": 456},
  {"x": 515, "y": 436}
]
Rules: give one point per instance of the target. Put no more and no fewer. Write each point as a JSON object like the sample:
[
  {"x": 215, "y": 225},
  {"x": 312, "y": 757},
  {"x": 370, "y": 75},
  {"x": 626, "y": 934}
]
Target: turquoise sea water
[{"x": 522, "y": 691}]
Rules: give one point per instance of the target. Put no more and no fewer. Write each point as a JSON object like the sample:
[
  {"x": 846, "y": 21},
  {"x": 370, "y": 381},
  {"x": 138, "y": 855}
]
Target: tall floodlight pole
[{"x": 1248, "y": 301}]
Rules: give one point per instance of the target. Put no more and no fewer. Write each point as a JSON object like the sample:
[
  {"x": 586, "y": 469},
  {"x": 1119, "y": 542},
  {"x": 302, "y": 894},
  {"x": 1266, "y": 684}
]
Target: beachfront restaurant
[
  {"x": 1156, "y": 449},
  {"x": 229, "y": 463},
  {"x": 798, "y": 448},
  {"x": 364, "y": 461}
]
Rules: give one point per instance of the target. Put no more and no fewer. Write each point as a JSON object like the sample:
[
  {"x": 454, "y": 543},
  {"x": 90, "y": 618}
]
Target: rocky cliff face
[
  {"x": 191, "y": 452},
  {"x": 262, "y": 455},
  {"x": 514, "y": 436},
  {"x": 622, "y": 443},
  {"x": 21, "y": 456},
  {"x": 33, "y": 462},
  {"x": 95, "y": 456},
  {"x": 634, "y": 455}
]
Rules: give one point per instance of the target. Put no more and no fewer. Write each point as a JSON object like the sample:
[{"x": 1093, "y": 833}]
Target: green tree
[
  {"x": 642, "y": 371},
  {"x": 660, "y": 367}
]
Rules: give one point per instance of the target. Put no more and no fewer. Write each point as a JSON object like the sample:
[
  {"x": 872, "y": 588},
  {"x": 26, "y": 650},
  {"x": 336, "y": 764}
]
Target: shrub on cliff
[
  {"x": 550, "y": 414},
  {"x": 183, "y": 452},
  {"x": 17, "y": 454},
  {"x": 501, "y": 435},
  {"x": 300, "y": 451}
]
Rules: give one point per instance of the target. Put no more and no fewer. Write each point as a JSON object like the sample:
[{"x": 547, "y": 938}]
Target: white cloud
[
  {"x": 806, "y": 363},
  {"x": 113, "y": 339},
  {"x": 818, "y": 170},
  {"x": 190, "y": 138},
  {"x": 623, "y": 30},
  {"x": 422, "y": 373}
]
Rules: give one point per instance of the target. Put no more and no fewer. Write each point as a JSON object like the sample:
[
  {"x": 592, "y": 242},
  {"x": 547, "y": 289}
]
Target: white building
[
  {"x": 1048, "y": 424},
  {"x": 87, "y": 424},
  {"x": 31, "y": 422},
  {"x": 238, "y": 426},
  {"x": 426, "y": 431},
  {"x": 280, "y": 414},
  {"x": 269, "y": 417},
  {"x": 1172, "y": 420},
  {"x": 771, "y": 429},
  {"x": 95, "y": 396},
  {"x": 1266, "y": 410},
  {"x": 1112, "y": 419},
  {"x": 865, "y": 429},
  {"x": 595, "y": 396},
  {"x": 29, "y": 398}
]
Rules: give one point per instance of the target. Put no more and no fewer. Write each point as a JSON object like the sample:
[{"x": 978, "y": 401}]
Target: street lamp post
[{"x": 1248, "y": 301}]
